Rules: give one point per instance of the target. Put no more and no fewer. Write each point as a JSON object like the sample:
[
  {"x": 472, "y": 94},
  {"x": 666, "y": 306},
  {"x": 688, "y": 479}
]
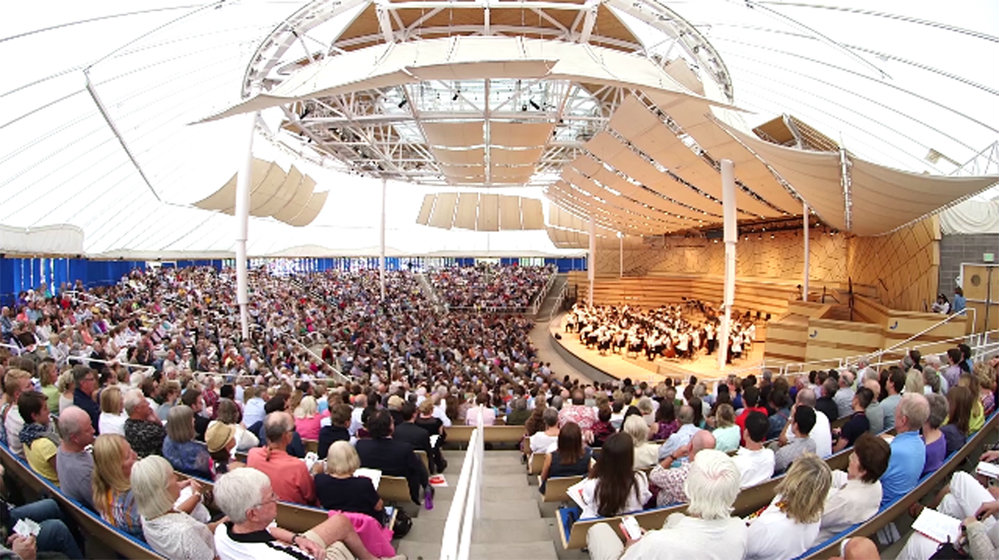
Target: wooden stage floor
[{"x": 703, "y": 366}]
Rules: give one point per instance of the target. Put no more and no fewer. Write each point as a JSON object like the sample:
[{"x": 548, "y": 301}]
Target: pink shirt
[
  {"x": 308, "y": 428},
  {"x": 289, "y": 476}
]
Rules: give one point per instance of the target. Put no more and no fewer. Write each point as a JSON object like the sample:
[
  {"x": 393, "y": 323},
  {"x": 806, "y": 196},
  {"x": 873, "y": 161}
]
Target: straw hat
[{"x": 218, "y": 435}]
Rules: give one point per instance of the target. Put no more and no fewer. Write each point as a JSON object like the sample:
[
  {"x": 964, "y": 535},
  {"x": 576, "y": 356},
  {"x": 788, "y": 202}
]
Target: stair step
[
  {"x": 511, "y": 509},
  {"x": 537, "y": 550},
  {"x": 507, "y": 531}
]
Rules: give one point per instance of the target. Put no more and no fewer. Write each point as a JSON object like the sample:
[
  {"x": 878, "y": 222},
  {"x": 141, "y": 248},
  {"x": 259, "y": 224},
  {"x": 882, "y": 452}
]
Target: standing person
[
  {"x": 706, "y": 530},
  {"x": 74, "y": 464},
  {"x": 959, "y": 301},
  {"x": 790, "y": 524}
]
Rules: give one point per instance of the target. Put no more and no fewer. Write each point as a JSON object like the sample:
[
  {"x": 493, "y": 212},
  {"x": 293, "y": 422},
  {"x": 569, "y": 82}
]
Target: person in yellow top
[{"x": 40, "y": 442}]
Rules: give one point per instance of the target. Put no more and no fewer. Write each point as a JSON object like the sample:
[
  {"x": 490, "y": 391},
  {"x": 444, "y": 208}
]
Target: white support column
[
  {"x": 620, "y": 254},
  {"x": 804, "y": 279},
  {"x": 731, "y": 236},
  {"x": 381, "y": 258},
  {"x": 591, "y": 264},
  {"x": 242, "y": 229}
]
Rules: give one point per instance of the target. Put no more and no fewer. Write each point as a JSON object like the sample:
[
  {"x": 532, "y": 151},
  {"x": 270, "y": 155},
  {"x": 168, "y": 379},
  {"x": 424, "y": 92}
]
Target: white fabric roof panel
[
  {"x": 519, "y": 135},
  {"x": 454, "y": 134},
  {"x": 657, "y": 203},
  {"x": 499, "y": 156},
  {"x": 509, "y": 213},
  {"x": 616, "y": 203},
  {"x": 443, "y": 213},
  {"x": 265, "y": 190},
  {"x": 423, "y": 217},
  {"x": 283, "y": 195},
  {"x": 607, "y": 214},
  {"x": 488, "y": 213},
  {"x": 311, "y": 210},
  {"x": 533, "y": 215},
  {"x": 459, "y": 157},
  {"x": 299, "y": 201},
  {"x": 467, "y": 213}
]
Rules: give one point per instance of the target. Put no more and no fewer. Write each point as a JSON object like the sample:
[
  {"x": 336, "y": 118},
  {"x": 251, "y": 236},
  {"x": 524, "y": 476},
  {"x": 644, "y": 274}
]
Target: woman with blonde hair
[
  {"x": 727, "y": 433},
  {"x": 307, "y": 418},
  {"x": 47, "y": 376},
  {"x": 646, "y": 452},
  {"x": 339, "y": 489},
  {"x": 792, "y": 521},
  {"x": 113, "y": 461},
  {"x": 914, "y": 382},
  {"x": 112, "y": 418},
  {"x": 172, "y": 533},
  {"x": 66, "y": 385},
  {"x": 987, "y": 386}
]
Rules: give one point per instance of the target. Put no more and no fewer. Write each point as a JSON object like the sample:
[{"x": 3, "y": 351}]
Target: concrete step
[
  {"x": 508, "y": 531},
  {"x": 419, "y": 550},
  {"x": 510, "y": 509},
  {"x": 539, "y": 550},
  {"x": 426, "y": 530}
]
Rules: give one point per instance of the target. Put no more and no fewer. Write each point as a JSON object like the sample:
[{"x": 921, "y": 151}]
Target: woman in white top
[
  {"x": 172, "y": 533},
  {"x": 790, "y": 523},
  {"x": 229, "y": 414},
  {"x": 112, "y": 419},
  {"x": 614, "y": 487},
  {"x": 65, "y": 384},
  {"x": 546, "y": 441},
  {"x": 646, "y": 453}
]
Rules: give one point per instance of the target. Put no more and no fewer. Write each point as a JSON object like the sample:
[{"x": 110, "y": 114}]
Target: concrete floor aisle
[{"x": 510, "y": 525}]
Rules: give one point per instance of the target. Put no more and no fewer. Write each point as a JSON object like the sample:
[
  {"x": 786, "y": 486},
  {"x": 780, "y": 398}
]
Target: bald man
[
  {"x": 671, "y": 480},
  {"x": 73, "y": 463}
]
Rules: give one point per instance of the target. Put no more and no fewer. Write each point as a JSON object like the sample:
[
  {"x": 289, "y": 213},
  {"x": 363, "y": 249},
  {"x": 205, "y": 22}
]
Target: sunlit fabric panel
[
  {"x": 500, "y": 156},
  {"x": 311, "y": 210},
  {"x": 454, "y": 134},
  {"x": 459, "y": 157},
  {"x": 426, "y": 208},
  {"x": 298, "y": 201},
  {"x": 514, "y": 134},
  {"x": 488, "y": 213},
  {"x": 282, "y": 195},
  {"x": 509, "y": 213},
  {"x": 532, "y": 212},
  {"x": 467, "y": 213},
  {"x": 264, "y": 191},
  {"x": 443, "y": 214}
]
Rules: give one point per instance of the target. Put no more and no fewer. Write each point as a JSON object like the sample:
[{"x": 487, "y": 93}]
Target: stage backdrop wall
[{"x": 899, "y": 268}]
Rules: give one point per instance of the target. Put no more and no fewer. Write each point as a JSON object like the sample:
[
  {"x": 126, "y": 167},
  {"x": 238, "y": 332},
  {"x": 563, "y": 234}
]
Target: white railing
[
  {"x": 944, "y": 321},
  {"x": 456, "y": 543},
  {"x": 337, "y": 373},
  {"x": 540, "y": 298},
  {"x": 75, "y": 294},
  {"x": 86, "y": 361},
  {"x": 558, "y": 301}
]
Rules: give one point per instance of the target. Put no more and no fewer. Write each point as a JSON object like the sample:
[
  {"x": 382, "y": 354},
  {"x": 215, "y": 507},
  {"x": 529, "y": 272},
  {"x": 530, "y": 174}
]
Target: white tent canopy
[{"x": 98, "y": 100}]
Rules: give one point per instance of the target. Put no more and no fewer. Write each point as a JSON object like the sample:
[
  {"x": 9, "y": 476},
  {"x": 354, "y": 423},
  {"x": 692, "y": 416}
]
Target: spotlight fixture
[
  {"x": 455, "y": 96},
  {"x": 535, "y": 105},
  {"x": 403, "y": 103}
]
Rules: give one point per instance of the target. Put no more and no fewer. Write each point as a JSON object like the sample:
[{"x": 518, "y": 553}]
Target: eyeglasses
[{"x": 273, "y": 498}]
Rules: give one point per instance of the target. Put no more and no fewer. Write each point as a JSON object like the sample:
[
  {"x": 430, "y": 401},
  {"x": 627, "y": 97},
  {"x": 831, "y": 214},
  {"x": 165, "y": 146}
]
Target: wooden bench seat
[{"x": 459, "y": 434}]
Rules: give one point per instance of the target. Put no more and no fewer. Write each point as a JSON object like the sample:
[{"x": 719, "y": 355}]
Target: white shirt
[
  {"x": 355, "y": 421},
  {"x": 684, "y": 537},
  {"x": 773, "y": 536},
  {"x": 633, "y": 504},
  {"x": 848, "y": 502},
  {"x": 821, "y": 433},
  {"x": 755, "y": 466},
  {"x": 13, "y": 424},
  {"x": 109, "y": 423},
  {"x": 543, "y": 443}
]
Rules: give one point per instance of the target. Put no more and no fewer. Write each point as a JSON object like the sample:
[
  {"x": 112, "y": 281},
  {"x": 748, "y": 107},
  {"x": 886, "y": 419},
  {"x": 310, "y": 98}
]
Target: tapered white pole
[
  {"x": 242, "y": 210},
  {"x": 591, "y": 264},
  {"x": 804, "y": 280},
  {"x": 731, "y": 237},
  {"x": 620, "y": 254},
  {"x": 381, "y": 258}
]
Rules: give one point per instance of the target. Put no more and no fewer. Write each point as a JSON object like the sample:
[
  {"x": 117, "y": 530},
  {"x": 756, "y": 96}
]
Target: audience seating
[
  {"x": 394, "y": 489},
  {"x": 536, "y": 464},
  {"x": 459, "y": 435},
  {"x": 556, "y": 487},
  {"x": 926, "y": 485},
  {"x": 90, "y": 522},
  {"x": 311, "y": 445},
  {"x": 423, "y": 457}
]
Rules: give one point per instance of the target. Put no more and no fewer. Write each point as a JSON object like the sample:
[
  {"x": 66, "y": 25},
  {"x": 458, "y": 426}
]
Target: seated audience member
[
  {"x": 977, "y": 408},
  {"x": 488, "y": 413},
  {"x": 253, "y": 406},
  {"x": 933, "y": 438},
  {"x": 986, "y": 378},
  {"x": 143, "y": 429},
  {"x": 338, "y": 488},
  {"x": 54, "y": 536},
  {"x": 112, "y": 488},
  {"x": 894, "y": 385},
  {"x": 843, "y": 397},
  {"x": 409, "y": 432},
  {"x": 755, "y": 462},
  {"x": 192, "y": 398},
  {"x": 228, "y": 413},
  {"x": 547, "y": 440},
  {"x": 74, "y": 463},
  {"x": 671, "y": 481},
  {"x": 665, "y": 423},
  {"x": 727, "y": 433},
  {"x": 518, "y": 412},
  {"x": 220, "y": 440},
  {"x": 875, "y": 415},
  {"x": 908, "y": 453},
  {"x": 682, "y": 436},
  {"x": 14, "y": 383},
  {"x": 977, "y": 507},
  {"x": 603, "y": 429},
  {"x": 577, "y": 411},
  {"x": 174, "y": 534},
  {"x": 39, "y": 441},
  {"x": 393, "y": 458},
  {"x": 790, "y": 524},
  {"x": 245, "y": 496},
  {"x": 821, "y": 433},
  {"x": 781, "y": 403},
  {"x": 955, "y": 431},
  {"x": 280, "y": 403},
  {"x": 858, "y": 422},
  {"x": 614, "y": 487},
  {"x": 706, "y": 530},
  {"x": 434, "y": 426},
  {"x": 646, "y": 452},
  {"x": 83, "y": 396},
  {"x": 180, "y": 448},
  {"x": 570, "y": 458},
  {"x": 750, "y": 396},
  {"x": 855, "y": 495},
  {"x": 307, "y": 418},
  {"x": 801, "y": 425},
  {"x": 825, "y": 404},
  {"x": 289, "y": 476},
  {"x": 338, "y": 429},
  {"x": 66, "y": 387},
  {"x": 112, "y": 418}
]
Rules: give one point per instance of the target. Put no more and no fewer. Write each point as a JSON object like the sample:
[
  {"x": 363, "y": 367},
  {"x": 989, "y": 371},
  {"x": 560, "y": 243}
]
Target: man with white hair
[
  {"x": 246, "y": 497},
  {"x": 707, "y": 530},
  {"x": 843, "y": 397},
  {"x": 73, "y": 463}
]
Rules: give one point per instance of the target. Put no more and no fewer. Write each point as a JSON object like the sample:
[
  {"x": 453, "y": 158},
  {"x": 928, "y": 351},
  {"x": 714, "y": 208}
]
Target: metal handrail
[
  {"x": 465, "y": 507},
  {"x": 540, "y": 298},
  {"x": 942, "y": 322},
  {"x": 343, "y": 378}
]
